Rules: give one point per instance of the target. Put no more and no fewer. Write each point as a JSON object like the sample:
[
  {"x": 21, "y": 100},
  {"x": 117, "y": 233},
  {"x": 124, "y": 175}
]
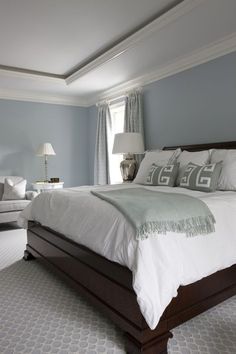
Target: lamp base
[{"x": 128, "y": 167}]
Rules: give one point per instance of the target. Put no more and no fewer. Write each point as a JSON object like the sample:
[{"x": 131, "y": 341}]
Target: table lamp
[
  {"x": 128, "y": 144},
  {"x": 45, "y": 150}
]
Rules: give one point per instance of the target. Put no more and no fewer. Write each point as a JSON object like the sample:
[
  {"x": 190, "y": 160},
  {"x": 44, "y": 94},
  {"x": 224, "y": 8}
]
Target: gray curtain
[
  {"x": 101, "y": 162},
  {"x": 134, "y": 116}
]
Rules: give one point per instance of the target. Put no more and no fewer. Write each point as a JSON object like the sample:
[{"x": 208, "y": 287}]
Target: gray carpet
[{"x": 39, "y": 313}]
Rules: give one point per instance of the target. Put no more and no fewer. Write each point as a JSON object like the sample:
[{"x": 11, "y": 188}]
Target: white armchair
[{"x": 10, "y": 209}]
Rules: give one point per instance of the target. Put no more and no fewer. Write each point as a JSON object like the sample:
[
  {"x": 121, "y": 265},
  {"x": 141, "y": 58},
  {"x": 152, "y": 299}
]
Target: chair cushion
[
  {"x": 14, "y": 179},
  {"x": 13, "y": 205},
  {"x": 14, "y": 190}
]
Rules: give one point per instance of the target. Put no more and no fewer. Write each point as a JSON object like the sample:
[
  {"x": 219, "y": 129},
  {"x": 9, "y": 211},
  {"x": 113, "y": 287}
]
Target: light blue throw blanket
[{"x": 157, "y": 212}]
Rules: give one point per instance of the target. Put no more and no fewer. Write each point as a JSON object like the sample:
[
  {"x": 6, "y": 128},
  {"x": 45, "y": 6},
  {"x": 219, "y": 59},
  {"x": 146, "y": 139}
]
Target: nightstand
[{"x": 44, "y": 186}]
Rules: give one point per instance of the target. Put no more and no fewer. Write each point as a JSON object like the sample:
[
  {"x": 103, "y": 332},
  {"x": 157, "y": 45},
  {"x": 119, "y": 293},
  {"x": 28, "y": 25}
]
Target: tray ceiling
[{"x": 77, "y": 52}]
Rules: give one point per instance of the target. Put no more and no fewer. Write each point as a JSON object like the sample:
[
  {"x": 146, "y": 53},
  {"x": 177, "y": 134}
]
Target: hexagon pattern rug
[{"x": 40, "y": 314}]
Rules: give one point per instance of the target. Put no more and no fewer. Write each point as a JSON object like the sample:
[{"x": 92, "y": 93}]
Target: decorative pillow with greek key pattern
[
  {"x": 162, "y": 175},
  {"x": 159, "y": 157},
  {"x": 201, "y": 178}
]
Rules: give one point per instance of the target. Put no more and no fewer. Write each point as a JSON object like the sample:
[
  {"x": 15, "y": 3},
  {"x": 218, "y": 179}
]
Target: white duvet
[{"x": 159, "y": 264}]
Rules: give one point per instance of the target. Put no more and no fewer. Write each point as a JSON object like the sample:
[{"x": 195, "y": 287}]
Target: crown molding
[
  {"x": 207, "y": 53},
  {"x": 29, "y": 72},
  {"x": 178, "y": 9},
  {"x": 30, "y": 75},
  {"x": 19, "y": 95},
  {"x": 155, "y": 25}
]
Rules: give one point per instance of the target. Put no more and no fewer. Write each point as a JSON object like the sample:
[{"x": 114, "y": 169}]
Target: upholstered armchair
[{"x": 10, "y": 209}]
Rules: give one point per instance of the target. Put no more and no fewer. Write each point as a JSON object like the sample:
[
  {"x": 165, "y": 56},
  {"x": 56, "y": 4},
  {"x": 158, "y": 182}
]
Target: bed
[{"x": 108, "y": 285}]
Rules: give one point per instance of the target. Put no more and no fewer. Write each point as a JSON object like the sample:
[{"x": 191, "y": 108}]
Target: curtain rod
[
  {"x": 112, "y": 100},
  {"x": 117, "y": 98}
]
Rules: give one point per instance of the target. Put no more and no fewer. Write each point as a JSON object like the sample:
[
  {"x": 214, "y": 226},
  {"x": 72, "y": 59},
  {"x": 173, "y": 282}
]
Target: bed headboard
[{"x": 199, "y": 147}]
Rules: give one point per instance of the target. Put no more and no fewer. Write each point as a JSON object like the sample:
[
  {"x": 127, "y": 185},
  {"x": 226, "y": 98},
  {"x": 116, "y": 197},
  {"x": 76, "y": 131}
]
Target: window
[{"x": 117, "y": 126}]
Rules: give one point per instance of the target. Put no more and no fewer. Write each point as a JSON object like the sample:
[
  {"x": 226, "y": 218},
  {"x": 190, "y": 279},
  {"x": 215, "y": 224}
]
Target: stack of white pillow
[{"x": 227, "y": 178}]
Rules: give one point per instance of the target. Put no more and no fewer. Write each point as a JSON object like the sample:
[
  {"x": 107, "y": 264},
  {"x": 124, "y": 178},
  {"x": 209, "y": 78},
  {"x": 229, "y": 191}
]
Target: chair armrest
[{"x": 30, "y": 195}]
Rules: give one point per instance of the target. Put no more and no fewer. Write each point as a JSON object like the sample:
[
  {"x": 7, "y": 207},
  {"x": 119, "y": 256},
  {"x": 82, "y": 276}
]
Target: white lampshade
[
  {"x": 128, "y": 143},
  {"x": 45, "y": 149}
]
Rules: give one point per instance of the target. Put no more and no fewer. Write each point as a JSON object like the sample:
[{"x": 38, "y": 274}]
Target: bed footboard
[{"x": 109, "y": 287}]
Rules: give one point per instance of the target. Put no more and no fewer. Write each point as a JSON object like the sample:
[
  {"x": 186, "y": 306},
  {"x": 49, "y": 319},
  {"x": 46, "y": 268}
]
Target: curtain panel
[
  {"x": 101, "y": 162},
  {"x": 134, "y": 117}
]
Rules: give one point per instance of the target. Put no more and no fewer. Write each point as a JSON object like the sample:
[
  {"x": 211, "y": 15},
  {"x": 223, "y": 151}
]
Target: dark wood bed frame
[{"x": 109, "y": 285}]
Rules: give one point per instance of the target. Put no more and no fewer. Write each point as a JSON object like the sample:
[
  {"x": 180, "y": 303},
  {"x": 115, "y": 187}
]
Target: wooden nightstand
[{"x": 44, "y": 186}]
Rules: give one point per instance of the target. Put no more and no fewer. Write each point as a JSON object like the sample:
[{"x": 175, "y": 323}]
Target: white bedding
[{"x": 159, "y": 264}]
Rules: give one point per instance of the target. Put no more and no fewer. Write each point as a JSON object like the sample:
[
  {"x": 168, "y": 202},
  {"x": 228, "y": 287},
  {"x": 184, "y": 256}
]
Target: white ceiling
[
  {"x": 56, "y": 35},
  {"x": 86, "y": 50}
]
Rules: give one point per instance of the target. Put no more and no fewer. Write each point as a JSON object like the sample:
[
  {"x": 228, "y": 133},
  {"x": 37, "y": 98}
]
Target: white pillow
[
  {"x": 14, "y": 191},
  {"x": 159, "y": 157},
  {"x": 227, "y": 179},
  {"x": 196, "y": 157}
]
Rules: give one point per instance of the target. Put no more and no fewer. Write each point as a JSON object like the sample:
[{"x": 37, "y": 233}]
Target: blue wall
[
  {"x": 195, "y": 106},
  {"x": 24, "y": 125}
]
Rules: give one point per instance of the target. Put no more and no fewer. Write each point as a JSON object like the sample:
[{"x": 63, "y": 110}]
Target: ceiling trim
[
  {"x": 19, "y": 95},
  {"x": 126, "y": 44},
  {"x": 30, "y": 75},
  {"x": 214, "y": 50},
  {"x": 207, "y": 53},
  {"x": 177, "y": 9},
  {"x": 33, "y": 73},
  {"x": 109, "y": 53},
  {"x": 110, "y": 45}
]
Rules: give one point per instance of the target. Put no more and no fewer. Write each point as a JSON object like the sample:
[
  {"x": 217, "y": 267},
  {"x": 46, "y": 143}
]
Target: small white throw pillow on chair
[{"x": 14, "y": 191}]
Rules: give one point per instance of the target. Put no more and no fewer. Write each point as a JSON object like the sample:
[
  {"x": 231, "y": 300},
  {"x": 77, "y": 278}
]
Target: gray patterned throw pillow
[
  {"x": 162, "y": 175},
  {"x": 201, "y": 178}
]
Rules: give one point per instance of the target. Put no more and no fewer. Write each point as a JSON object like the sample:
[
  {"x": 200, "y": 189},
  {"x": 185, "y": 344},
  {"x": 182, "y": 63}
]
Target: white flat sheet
[{"x": 159, "y": 264}]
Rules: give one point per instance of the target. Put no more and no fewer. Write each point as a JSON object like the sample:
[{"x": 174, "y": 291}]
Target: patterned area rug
[{"x": 39, "y": 314}]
